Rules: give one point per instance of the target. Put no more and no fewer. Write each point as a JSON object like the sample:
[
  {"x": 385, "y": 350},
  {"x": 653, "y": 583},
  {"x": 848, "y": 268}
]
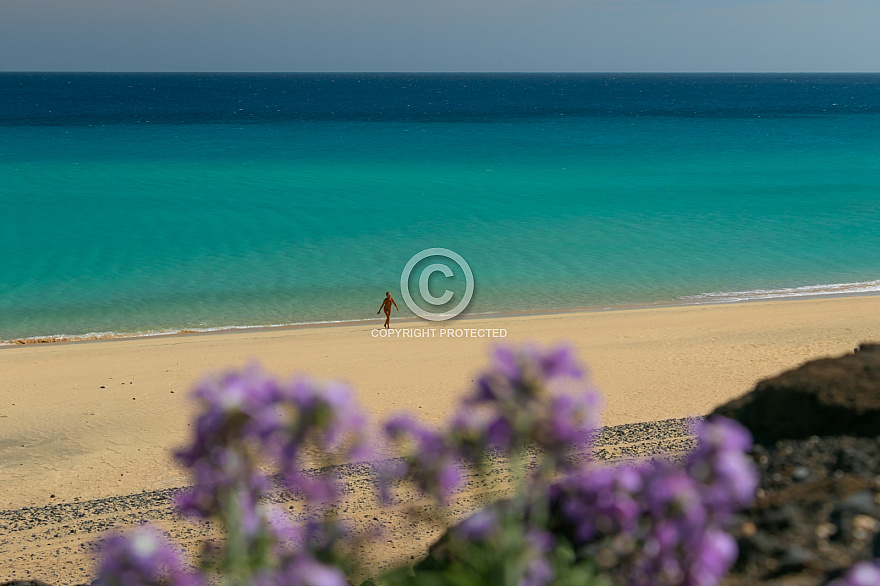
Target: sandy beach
[
  {"x": 97, "y": 419},
  {"x": 87, "y": 429}
]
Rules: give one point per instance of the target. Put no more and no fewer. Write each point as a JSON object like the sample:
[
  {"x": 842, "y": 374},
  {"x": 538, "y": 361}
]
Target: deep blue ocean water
[{"x": 135, "y": 203}]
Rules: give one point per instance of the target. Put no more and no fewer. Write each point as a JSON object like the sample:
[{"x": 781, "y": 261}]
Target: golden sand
[{"x": 102, "y": 418}]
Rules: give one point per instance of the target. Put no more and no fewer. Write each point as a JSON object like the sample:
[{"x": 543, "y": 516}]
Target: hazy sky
[{"x": 440, "y": 35}]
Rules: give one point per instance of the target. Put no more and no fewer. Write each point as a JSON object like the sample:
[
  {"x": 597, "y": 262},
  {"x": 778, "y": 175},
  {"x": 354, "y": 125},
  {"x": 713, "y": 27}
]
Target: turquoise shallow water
[{"x": 124, "y": 225}]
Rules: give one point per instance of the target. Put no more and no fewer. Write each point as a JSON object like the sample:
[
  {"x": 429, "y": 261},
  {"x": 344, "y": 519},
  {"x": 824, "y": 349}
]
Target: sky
[{"x": 441, "y": 35}]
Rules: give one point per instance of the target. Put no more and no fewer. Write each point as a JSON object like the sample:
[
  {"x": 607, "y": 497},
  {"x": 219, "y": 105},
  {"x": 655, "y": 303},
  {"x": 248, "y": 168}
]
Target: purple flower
[
  {"x": 521, "y": 372},
  {"x": 559, "y": 362},
  {"x": 507, "y": 364},
  {"x": 520, "y": 401},
  {"x": 673, "y": 557},
  {"x": 250, "y": 422},
  {"x": 428, "y": 456},
  {"x": 479, "y": 526},
  {"x": 500, "y": 434},
  {"x": 388, "y": 473},
  {"x": 537, "y": 570},
  {"x": 861, "y": 574},
  {"x": 286, "y": 535},
  {"x": 305, "y": 570},
  {"x": 671, "y": 493},
  {"x": 600, "y": 503},
  {"x": 669, "y": 519},
  {"x": 714, "y": 555},
  {"x": 223, "y": 471},
  {"x": 326, "y": 421},
  {"x": 237, "y": 407},
  {"x": 301, "y": 570},
  {"x": 330, "y": 410},
  {"x": 237, "y": 404},
  {"x": 569, "y": 421},
  {"x": 248, "y": 418},
  {"x": 142, "y": 558},
  {"x": 531, "y": 362},
  {"x": 685, "y": 543},
  {"x": 720, "y": 464}
]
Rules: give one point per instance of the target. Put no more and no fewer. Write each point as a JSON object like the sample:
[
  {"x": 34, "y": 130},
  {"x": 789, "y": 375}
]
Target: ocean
[{"x": 146, "y": 203}]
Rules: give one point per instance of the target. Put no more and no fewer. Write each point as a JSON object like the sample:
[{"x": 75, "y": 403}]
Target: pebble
[
  {"x": 866, "y": 523},
  {"x": 825, "y": 530},
  {"x": 800, "y": 473}
]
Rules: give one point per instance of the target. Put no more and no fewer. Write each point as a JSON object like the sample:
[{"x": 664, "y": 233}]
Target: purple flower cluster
[
  {"x": 672, "y": 519},
  {"x": 248, "y": 416},
  {"x": 861, "y": 574},
  {"x": 143, "y": 558},
  {"x": 530, "y": 396},
  {"x": 600, "y": 503},
  {"x": 249, "y": 421},
  {"x": 726, "y": 477},
  {"x": 664, "y": 524},
  {"x": 432, "y": 457}
]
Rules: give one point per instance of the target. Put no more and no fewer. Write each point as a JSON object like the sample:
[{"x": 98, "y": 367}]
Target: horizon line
[{"x": 439, "y": 72}]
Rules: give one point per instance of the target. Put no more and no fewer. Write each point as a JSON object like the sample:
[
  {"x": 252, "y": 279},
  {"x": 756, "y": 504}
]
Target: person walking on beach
[{"x": 386, "y": 307}]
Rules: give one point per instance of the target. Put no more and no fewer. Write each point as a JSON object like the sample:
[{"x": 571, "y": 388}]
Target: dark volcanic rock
[
  {"x": 817, "y": 434},
  {"x": 817, "y": 512},
  {"x": 826, "y": 397}
]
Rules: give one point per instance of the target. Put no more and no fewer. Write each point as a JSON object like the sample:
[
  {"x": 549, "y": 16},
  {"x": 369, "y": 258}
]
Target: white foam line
[
  {"x": 150, "y": 334},
  {"x": 804, "y": 291},
  {"x": 714, "y": 297},
  {"x": 170, "y": 332}
]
